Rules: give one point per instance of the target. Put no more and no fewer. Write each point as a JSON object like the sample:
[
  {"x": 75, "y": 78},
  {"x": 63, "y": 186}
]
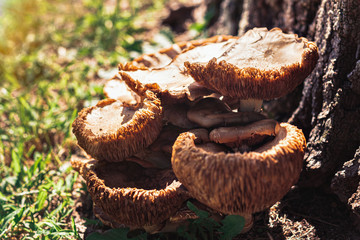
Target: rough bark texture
[
  {"x": 329, "y": 108},
  {"x": 345, "y": 183}
]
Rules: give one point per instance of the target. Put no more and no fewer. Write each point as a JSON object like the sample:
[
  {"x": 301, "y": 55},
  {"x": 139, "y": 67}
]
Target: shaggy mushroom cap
[
  {"x": 165, "y": 56},
  {"x": 130, "y": 194},
  {"x": 261, "y": 64},
  {"x": 240, "y": 183},
  {"x": 112, "y": 131},
  {"x": 172, "y": 81}
]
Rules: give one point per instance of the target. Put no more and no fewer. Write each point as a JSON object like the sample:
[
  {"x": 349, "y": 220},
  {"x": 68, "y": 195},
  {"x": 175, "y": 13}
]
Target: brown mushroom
[
  {"x": 166, "y": 55},
  {"x": 211, "y": 112},
  {"x": 112, "y": 131},
  {"x": 116, "y": 89},
  {"x": 240, "y": 183},
  {"x": 251, "y": 68},
  {"x": 172, "y": 113},
  {"x": 172, "y": 81},
  {"x": 260, "y": 65},
  {"x": 129, "y": 194},
  {"x": 250, "y": 134}
]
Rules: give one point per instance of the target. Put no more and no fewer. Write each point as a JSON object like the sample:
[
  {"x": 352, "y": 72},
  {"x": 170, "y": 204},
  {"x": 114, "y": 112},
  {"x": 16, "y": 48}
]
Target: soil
[
  {"x": 305, "y": 214},
  {"x": 301, "y": 214}
]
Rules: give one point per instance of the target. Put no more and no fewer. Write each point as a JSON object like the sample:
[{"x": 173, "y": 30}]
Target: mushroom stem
[
  {"x": 250, "y": 105},
  {"x": 237, "y": 135}
]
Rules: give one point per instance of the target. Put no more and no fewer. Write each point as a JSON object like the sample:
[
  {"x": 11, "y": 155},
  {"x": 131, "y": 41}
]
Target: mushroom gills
[{"x": 126, "y": 193}]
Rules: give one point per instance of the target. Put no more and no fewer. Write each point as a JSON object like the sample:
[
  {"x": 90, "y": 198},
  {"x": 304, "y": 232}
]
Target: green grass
[{"x": 50, "y": 53}]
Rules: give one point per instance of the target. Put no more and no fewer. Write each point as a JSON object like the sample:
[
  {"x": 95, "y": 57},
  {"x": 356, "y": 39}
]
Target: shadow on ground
[
  {"x": 305, "y": 214},
  {"x": 301, "y": 214}
]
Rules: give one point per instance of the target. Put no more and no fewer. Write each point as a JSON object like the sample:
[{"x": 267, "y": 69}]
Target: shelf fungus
[
  {"x": 126, "y": 193},
  {"x": 113, "y": 130}
]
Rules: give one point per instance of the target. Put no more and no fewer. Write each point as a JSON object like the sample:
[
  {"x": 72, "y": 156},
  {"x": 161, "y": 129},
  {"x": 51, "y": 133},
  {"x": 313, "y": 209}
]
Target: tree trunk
[{"x": 329, "y": 108}]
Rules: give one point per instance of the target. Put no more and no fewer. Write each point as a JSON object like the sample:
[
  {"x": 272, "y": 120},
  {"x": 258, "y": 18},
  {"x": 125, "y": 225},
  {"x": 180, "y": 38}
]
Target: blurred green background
[{"x": 51, "y": 54}]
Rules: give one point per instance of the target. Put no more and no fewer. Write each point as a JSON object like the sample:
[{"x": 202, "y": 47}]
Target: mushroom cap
[
  {"x": 112, "y": 131},
  {"x": 240, "y": 183},
  {"x": 165, "y": 56},
  {"x": 130, "y": 194},
  {"x": 261, "y": 64},
  {"x": 116, "y": 89},
  {"x": 250, "y": 134},
  {"x": 172, "y": 81},
  {"x": 172, "y": 84}
]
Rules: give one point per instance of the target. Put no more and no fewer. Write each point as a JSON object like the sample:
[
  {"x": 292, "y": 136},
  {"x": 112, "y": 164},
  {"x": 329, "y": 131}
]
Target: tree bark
[
  {"x": 329, "y": 108},
  {"x": 345, "y": 183}
]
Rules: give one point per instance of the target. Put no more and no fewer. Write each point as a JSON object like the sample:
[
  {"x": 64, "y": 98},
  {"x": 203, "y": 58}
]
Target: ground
[{"x": 301, "y": 214}]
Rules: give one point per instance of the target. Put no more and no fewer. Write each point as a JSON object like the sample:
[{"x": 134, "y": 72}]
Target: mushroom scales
[
  {"x": 171, "y": 80},
  {"x": 186, "y": 123},
  {"x": 127, "y": 193},
  {"x": 261, "y": 64},
  {"x": 112, "y": 131},
  {"x": 240, "y": 183}
]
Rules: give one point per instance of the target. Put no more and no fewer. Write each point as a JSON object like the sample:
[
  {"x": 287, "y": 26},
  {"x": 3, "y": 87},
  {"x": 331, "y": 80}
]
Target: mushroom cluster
[{"x": 186, "y": 123}]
